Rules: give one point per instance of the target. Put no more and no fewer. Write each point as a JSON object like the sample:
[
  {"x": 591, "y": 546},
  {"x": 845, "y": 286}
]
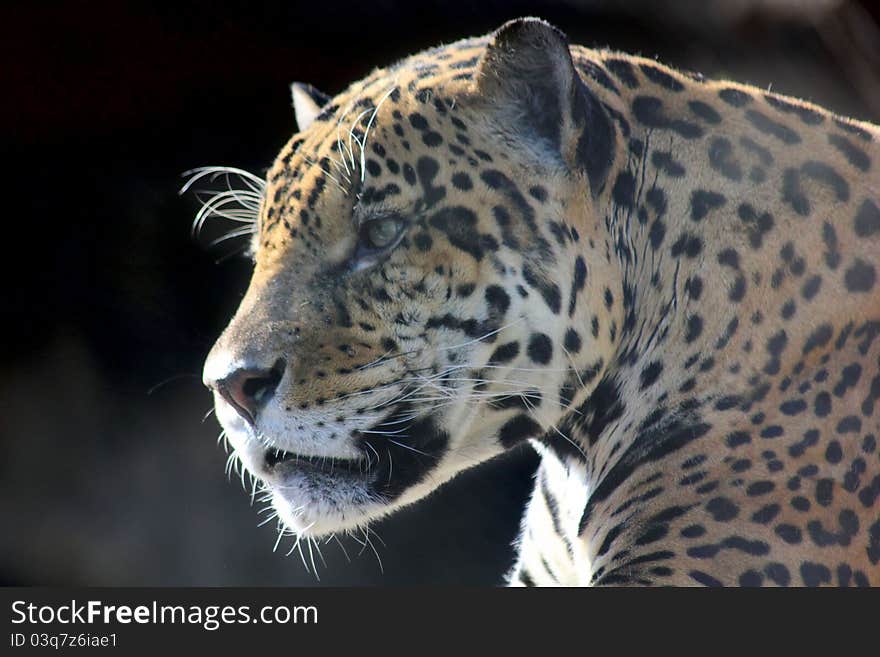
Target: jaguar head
[{"x": 427, "y": 286}]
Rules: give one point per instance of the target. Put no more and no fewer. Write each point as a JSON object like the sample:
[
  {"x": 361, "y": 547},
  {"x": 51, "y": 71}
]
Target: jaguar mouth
[
  {"x": 389, "y": 457},
  {"x": 320, "y": 494},
  {"x": 279, "y": 462}
]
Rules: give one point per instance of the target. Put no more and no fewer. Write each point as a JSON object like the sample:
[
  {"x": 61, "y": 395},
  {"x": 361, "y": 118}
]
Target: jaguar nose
[{"x": 248, "y": 389}]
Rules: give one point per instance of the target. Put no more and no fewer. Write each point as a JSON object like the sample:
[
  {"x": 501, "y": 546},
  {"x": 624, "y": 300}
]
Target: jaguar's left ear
[
  {"x": 528, "y": 79},
  {"x": 307, "y": 103}
]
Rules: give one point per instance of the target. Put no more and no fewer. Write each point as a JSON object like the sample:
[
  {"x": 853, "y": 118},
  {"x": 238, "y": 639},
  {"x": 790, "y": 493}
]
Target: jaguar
[{"x": 666, "y": 284}]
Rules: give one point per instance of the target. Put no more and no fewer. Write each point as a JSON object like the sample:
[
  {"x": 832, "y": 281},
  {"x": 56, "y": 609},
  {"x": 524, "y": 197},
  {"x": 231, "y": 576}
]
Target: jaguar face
[{"x": 415, "y": 294}]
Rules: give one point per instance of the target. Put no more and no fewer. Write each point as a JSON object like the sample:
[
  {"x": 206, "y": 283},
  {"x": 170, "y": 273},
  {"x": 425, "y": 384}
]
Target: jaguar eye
[{"x": 381, "y": 233}]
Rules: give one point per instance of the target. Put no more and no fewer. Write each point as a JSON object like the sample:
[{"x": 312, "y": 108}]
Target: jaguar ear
[
  {"x": 307, "y": 103},
  {"x": 528, "y": 77}
]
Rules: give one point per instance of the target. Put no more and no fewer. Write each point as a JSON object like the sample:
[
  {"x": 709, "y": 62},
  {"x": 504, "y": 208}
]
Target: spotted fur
[{"x": 667, "y": 284}]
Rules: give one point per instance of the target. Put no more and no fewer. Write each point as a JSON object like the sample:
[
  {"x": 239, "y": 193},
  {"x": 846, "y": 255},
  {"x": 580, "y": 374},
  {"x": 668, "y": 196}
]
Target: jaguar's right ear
[{"x": 307, "y": 103}]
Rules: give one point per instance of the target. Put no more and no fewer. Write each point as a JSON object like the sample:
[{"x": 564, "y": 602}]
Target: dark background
[{"x": 107, "y": 473}]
